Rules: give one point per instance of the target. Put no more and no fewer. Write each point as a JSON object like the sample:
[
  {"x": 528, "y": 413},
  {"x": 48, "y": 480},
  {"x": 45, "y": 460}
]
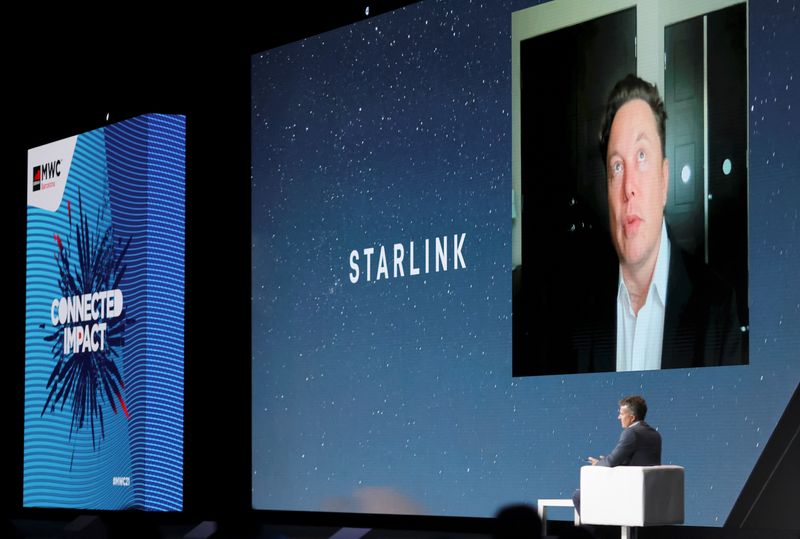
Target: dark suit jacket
[
  {"x": 701, "y": 322},
  {"x": 639, "y": 445}
]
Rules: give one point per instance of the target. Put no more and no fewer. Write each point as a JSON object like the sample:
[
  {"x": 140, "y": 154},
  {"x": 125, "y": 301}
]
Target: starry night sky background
[{"x": 396, "y": 395}]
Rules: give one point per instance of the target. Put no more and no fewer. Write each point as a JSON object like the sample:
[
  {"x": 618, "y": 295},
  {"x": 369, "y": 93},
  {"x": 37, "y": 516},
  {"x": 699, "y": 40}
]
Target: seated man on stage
[{"x": 639, "y": 444}]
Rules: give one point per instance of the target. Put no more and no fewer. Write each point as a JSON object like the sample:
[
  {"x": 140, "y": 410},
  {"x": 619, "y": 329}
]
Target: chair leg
[
  {"x": 543, "y": 517},
  {"x": 627, "y": 532}
]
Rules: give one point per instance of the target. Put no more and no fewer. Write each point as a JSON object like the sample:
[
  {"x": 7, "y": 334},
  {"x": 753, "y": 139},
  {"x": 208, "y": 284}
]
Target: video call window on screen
[{"x": 566, "y": 275}]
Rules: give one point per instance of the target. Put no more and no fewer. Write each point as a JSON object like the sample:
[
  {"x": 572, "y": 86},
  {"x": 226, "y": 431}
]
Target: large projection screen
[{"x": 386, "y": 225}]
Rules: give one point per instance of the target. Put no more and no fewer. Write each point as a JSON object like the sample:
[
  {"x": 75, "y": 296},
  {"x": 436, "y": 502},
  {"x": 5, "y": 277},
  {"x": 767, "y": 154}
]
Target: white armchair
[{"x": 631, "y": 496}]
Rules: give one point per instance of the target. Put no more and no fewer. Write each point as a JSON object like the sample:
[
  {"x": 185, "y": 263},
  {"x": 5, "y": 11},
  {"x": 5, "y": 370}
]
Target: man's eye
[
  {"x": 616, "y": 168},
  {"x": 641, "y": 156}
]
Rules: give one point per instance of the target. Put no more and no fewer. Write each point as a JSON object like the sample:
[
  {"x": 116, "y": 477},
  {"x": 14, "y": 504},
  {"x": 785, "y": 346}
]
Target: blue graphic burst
[{"x": 86, "y": 378}]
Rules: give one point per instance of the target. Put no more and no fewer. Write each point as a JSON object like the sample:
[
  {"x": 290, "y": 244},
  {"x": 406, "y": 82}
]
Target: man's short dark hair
[
  {"x": 637, "y": 406},
  {"x": 628, "y": 89},
  {"x": 518, "y": 521}
]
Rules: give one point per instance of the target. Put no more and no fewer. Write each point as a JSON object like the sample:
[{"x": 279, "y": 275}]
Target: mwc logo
[{"x": 47, "y": 171}]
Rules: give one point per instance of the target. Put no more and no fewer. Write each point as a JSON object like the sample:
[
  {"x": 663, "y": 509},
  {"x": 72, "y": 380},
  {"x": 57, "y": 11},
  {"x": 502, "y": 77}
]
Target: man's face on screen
[{"x": 637, "y": 184}]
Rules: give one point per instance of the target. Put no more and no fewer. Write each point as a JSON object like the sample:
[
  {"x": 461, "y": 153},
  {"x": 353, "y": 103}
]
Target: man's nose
[{"x": 628, "y": 183}]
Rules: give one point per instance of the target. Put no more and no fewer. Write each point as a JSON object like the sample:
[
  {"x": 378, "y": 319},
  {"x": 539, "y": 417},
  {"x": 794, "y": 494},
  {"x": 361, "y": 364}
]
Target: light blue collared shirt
[{"x": 639, "y": 336}]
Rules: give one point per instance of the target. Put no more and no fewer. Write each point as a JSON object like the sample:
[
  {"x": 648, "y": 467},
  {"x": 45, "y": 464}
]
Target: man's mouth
[{"x": 631, "y": 224}]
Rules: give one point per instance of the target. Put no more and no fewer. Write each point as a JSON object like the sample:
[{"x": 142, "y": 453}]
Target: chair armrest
[{"x": 632, "y": 495}]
